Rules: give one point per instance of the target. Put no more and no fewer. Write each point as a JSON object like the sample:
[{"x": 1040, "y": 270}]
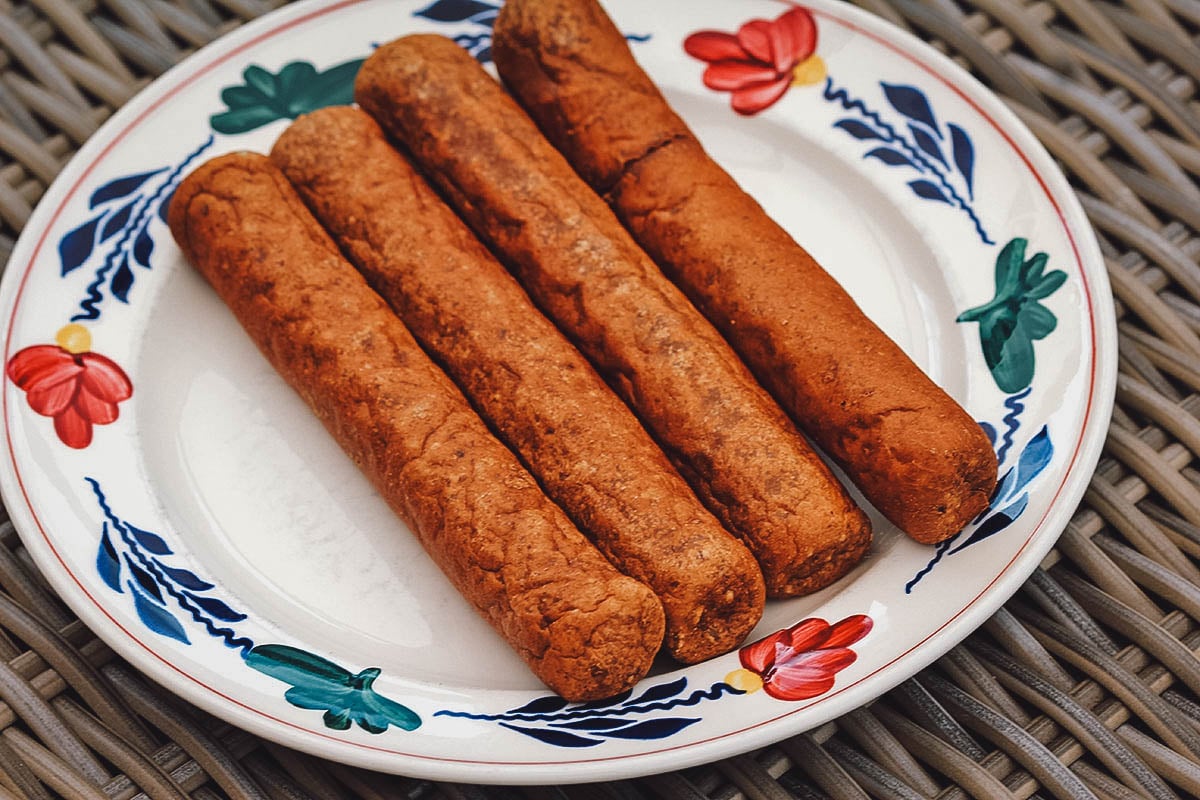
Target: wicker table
[{"x": 1085, "y": 684}]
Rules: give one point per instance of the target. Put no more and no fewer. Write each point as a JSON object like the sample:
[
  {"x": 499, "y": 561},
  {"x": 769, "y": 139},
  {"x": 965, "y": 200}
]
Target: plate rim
[{"x": 1092, "y": 434}]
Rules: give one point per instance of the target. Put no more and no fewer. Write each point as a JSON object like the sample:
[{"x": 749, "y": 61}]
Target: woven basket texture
[{"x": 1086, "y": 684}]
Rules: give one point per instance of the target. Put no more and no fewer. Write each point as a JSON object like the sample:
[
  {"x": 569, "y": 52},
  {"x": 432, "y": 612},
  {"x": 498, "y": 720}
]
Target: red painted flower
[
  {"x": 76, "y": 387},
  {"x": 759, "y": 62},
  {"x": 801, "y": 661}
]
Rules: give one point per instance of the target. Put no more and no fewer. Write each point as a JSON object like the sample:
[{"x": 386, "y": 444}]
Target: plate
[{"x": 194, "y": 514}]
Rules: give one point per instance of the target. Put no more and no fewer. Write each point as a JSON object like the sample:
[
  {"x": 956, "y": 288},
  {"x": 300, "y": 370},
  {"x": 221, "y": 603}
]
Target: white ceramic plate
[{"x": 216, "y": 537}]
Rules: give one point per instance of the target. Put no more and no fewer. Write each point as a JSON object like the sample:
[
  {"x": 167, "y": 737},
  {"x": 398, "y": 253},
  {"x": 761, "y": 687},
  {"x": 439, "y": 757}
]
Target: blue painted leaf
[
  {"x": 926, "y": 142},
  {"x": 605, "y": 702},
  {"x": 594, "y": 724},
  {"x": 151, "y": 541},
  {"x": 122, "y": 280},
  {"x": 660, "y": 692},
  {"x": 994, "y": 524},
  {"x": 106, "y": 562},
  {"x": 75, "y": 247},
  {"x": 859, "y": 130},
  {"x": 143, "y": 246},
  {"x": 989, "y": 431},
  {"x": 893, "y": 158},
  {"x": 165, "y": 205},
  {"x": 1004, "y": 488},
  {"x": 144, "y": 579},
  {"x": 117, "y": 222},
  {"x": 547, "y": 704},
  {"x": 927, "y": 190},
  {"x": 910, "y": 101},
  {"x": 217, "y": 608},
  {"x": 964, "y": 156},
  {"x": 454, "y": 10},
  {"x": 155, "y": 617},
  {"x": 1017, "y": 507},
  {"x": 185, "y": 578},
  {"x": 121, "y": 187},
  {"x": 1034, "y": 458},
  {"x": 484, "y": 56},
  {"x": 652, "y": 728},
  {"x": 553, "y": 737}
]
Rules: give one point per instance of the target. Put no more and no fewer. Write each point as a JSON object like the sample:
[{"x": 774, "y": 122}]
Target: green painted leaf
[
  {"x": 339, "y": 720},
  {"x": 1047, "y": 285},
  {"x": 318, "y": 698},
  {"x": 380, "y": 711},
  {"x": 972, "y": 314},
  {"x": 1014, "y": 371},
  {"x": 295, "y": 666},
  {"x": 1013, "y": 319},
  {"x": 318, "y": 684},
  {"x": 242, "y": 97},
  {"x": 261, "y": 81},
  {"x": 243, "y": 119},
  {"x": 994, "y": 330},
  {"x": 333, "y": 87},
  {"x": 1008, "y": 267},
  {"x": 1031, "y": 270},
  {"x": 294, "y": 76},
  {"x": 297, "y": 89},
  {"x": 1037, "y": 321}
]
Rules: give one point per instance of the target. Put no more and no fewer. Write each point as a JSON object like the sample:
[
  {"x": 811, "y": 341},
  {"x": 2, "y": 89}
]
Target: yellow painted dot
[
  {"x": 74, "y": 338},
  {"x": 749, "y": 682},
  {"x": 809, "y": 71}
]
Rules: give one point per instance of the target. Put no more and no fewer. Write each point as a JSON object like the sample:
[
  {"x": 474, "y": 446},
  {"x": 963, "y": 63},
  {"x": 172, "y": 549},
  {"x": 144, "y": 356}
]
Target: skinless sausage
[
  {"x": 585, "y": 629},
  {"x": 534, "y": 388},
  {"x": 911, "y": 449},
  {"x": 729, "y": 439}
]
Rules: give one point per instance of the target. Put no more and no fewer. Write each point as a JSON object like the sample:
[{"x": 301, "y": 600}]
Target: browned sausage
[
  {"x": 581, "y": 442},
  {"x": 730, "y": 440},
  {"x": 908, "y": 445},
  {"x": 584, "y": 629}
]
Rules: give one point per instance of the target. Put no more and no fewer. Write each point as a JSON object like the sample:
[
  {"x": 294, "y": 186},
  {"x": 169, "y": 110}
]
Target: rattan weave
[{"x": 1086, "y": 684}]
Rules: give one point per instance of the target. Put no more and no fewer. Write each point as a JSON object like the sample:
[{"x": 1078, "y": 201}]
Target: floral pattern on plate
[{"x": 900, "y": 122}]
